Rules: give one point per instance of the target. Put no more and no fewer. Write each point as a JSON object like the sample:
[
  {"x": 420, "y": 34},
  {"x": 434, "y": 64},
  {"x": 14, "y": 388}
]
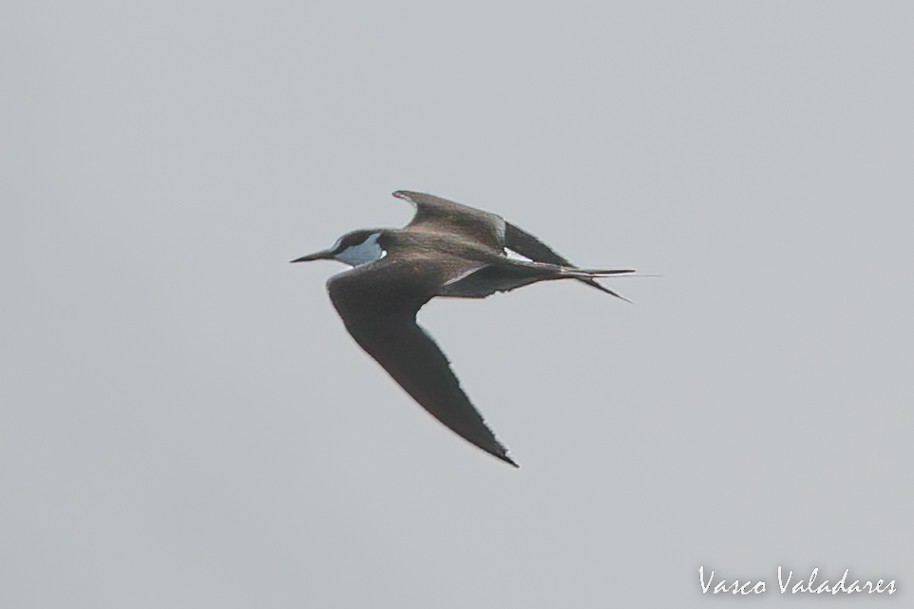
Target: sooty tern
[{"x": 448, "y": 249}]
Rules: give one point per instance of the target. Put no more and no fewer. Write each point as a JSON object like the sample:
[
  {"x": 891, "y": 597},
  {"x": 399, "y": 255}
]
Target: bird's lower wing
[{"x": 393, "y": 338}]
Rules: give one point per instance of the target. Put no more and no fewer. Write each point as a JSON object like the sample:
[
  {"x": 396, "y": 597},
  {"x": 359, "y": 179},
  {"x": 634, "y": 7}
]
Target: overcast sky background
[{"x": 186, "y": 423}]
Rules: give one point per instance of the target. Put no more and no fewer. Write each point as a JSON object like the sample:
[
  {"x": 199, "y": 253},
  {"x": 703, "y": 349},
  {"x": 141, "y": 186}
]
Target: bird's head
[{"x": 354, "y": 248}]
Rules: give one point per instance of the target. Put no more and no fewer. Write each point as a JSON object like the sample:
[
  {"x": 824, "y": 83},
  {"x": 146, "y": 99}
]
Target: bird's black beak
[{"x": 321, "y": 255}]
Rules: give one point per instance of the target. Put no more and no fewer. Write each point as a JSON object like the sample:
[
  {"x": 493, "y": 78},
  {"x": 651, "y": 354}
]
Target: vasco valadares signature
[{"x": 790, "y": 583}]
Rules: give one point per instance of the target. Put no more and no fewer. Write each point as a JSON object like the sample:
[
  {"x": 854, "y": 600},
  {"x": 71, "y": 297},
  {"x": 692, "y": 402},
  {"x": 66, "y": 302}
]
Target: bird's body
[{"x": 448, "y": 249}]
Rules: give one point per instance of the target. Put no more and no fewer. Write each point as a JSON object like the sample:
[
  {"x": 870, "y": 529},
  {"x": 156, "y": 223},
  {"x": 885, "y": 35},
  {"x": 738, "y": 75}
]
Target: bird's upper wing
[
  {"x": 488, "y": 229},
  {"x": 378, "y": 304},
  {"x": 525, "y": 244},
  {"x": 437, "y": 214}
]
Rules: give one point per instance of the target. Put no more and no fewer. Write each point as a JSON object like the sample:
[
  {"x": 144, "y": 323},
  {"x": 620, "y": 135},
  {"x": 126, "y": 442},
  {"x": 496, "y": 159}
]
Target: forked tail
[
  {"x": 576, "y": 272},
  {"x": 589, "y": 276}
]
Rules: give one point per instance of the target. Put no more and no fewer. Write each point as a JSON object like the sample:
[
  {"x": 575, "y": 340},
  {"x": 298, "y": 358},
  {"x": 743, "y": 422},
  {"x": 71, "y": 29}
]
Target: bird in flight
[{"x": 448, "y": 249}]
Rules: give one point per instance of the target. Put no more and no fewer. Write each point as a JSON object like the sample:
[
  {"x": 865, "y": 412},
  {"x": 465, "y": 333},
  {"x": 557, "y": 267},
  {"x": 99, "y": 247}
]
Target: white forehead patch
[{"x": 363, "y": 253}]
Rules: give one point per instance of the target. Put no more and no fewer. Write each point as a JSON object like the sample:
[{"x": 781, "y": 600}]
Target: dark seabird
[{"x": 448, "y": 249}]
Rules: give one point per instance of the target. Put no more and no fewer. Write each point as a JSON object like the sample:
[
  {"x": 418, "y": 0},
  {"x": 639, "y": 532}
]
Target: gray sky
[{"x": 185, "y": 422}]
